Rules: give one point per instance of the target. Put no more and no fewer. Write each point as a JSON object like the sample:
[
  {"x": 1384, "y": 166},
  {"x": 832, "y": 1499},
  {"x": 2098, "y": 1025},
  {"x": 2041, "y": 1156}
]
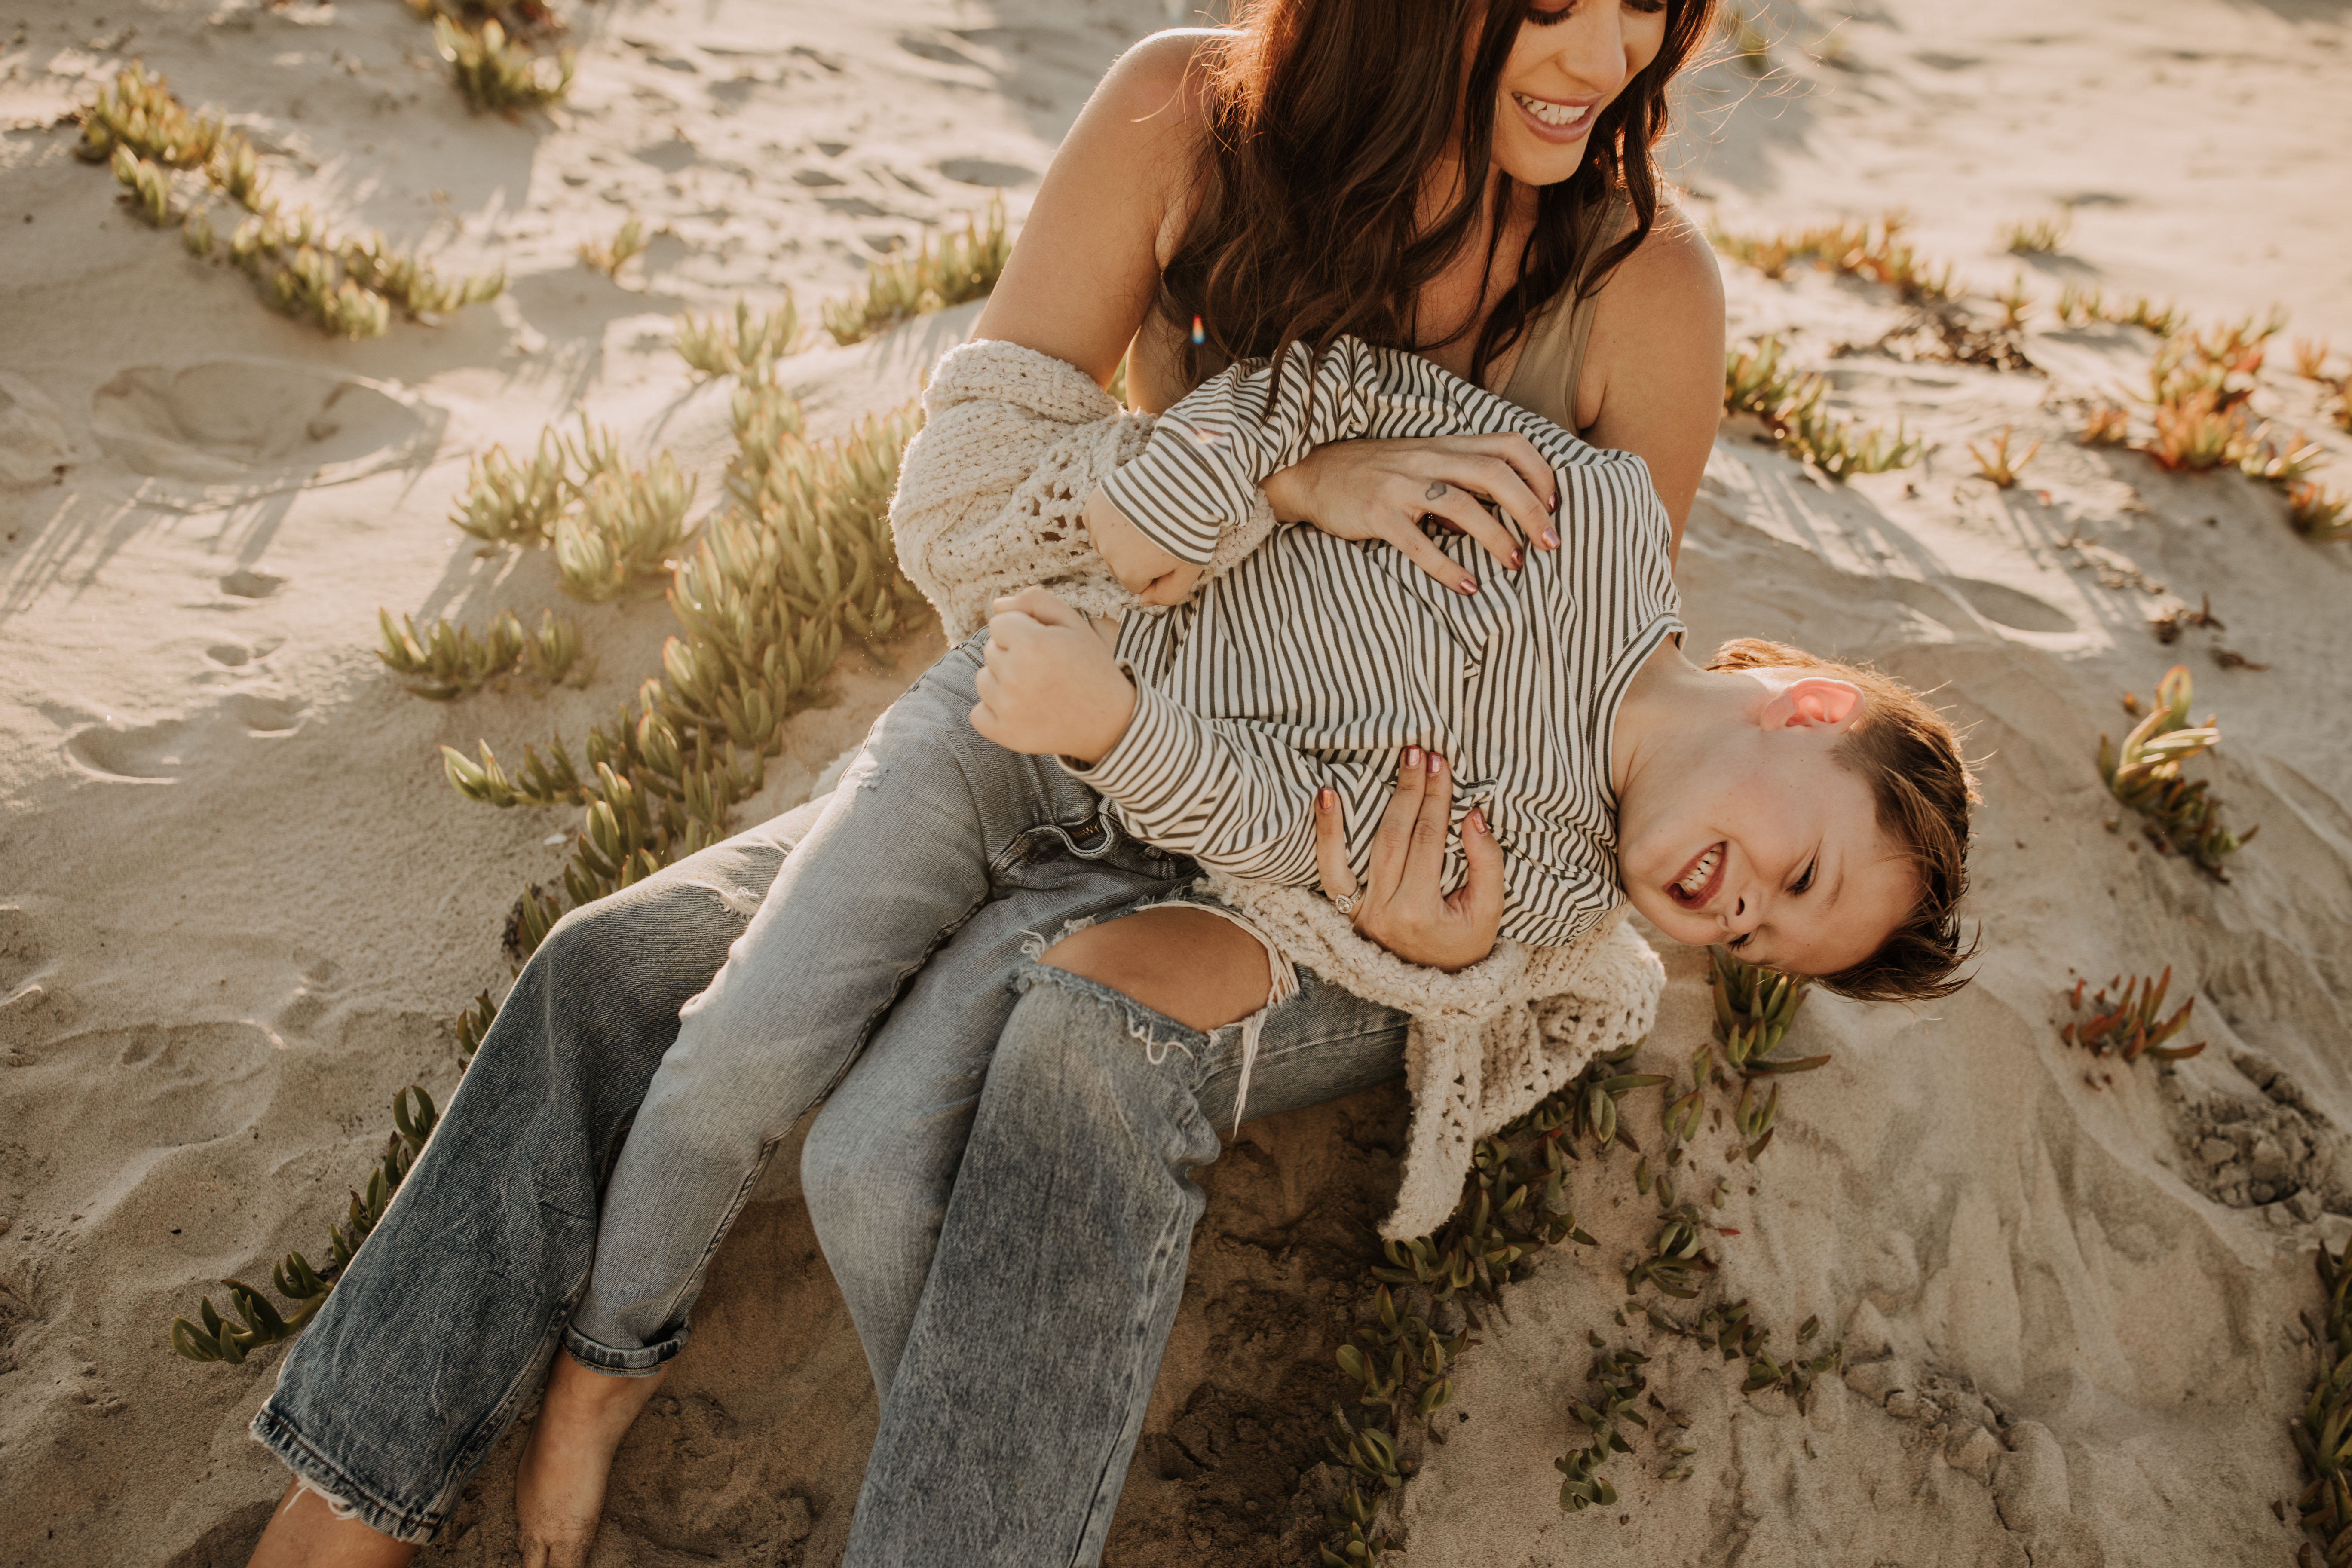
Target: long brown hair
[{"x": 1327, "y": 115}]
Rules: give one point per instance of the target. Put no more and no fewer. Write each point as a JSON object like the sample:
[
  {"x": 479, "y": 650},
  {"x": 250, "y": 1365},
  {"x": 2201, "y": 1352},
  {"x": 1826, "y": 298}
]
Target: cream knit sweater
[{"x": 991, "y": 499}]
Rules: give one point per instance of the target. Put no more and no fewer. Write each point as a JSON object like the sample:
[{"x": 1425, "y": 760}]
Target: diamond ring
[{"x": 1346, "y": 902}]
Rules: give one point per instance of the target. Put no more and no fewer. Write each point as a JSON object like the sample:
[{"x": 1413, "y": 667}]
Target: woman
[{"x": 1314, "y": 173}]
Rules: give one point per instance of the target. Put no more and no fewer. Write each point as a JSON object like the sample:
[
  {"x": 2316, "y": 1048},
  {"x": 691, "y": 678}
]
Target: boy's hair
[{"x": 1911, "y": 759}]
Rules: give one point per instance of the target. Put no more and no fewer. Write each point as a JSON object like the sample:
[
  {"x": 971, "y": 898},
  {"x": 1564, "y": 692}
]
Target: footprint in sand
[
  {"x": 162, "y": 752},
  {"x": 228, "y": 429},
  {"x": 34, "y": 446}
]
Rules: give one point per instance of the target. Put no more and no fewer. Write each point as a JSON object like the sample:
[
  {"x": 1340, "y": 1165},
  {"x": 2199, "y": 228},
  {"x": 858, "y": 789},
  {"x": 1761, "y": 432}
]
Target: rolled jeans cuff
[{"x": 643, "y": 1362}]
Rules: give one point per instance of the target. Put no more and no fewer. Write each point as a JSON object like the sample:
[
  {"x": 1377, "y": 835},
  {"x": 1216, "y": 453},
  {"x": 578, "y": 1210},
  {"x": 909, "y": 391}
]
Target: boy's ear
[{"x": 1811, "y": 702}]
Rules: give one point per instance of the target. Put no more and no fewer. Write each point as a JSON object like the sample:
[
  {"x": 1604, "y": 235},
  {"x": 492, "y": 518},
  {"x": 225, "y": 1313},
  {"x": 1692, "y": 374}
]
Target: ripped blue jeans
[
  {"x": 928, "y": 830},
  {"x": 441, "y": 1329}
]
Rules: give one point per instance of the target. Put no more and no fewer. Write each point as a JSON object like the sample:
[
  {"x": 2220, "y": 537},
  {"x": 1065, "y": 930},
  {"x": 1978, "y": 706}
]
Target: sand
[{"x": 239, "y": 908}]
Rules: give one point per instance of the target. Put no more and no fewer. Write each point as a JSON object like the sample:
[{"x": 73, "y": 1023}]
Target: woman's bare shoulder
[
  {"x": 1672, "y": 269},
  {"x": 1087, "y": 263}
]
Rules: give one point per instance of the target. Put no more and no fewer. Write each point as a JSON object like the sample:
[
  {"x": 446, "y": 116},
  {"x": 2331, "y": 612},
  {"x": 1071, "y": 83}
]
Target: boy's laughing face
[{"x": 1762, "y": 841}]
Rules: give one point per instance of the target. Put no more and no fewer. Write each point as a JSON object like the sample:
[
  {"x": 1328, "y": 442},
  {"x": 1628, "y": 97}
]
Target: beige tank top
[{"x": 1551, "y": 365}]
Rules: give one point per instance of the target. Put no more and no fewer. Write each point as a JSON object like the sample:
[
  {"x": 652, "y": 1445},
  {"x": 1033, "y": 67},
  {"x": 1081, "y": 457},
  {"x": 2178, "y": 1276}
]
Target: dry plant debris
[
  {"x": 1793, "y": 406},
  {"x": 2145, "y": 774},
  {"x": 2038, "y": 237},
  {"x": 2128, "y": 1024},
  {"x": 962, "y": 267},
  {"x": 498, "y": 73},
  {"x": 1995, "y": 461},
  {"x": 1873, "y": 251},
  {"x": 609, "y": 256},
  {"x": 346, "y": 287},
  {"x": 446, "y": 661},
  {"x": 2311, "y": 359}
]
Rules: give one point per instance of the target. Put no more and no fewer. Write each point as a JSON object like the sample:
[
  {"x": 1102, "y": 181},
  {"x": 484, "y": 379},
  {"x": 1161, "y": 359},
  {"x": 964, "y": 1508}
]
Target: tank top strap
[{"x": 1552, "y": 365}]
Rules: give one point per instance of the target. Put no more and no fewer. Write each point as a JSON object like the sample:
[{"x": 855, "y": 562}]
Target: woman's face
[{"x": 1569, "y": 63}]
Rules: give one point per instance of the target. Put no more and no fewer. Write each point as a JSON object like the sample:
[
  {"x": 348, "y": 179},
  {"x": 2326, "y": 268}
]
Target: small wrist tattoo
[{"x": 1436, "y": 487}]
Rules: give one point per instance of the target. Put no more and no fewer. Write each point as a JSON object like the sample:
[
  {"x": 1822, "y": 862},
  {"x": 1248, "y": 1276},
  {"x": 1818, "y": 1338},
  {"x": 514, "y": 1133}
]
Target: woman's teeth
[
  {"x": 1560, "y": 115},
  {"x": 1691, "y": 884}
]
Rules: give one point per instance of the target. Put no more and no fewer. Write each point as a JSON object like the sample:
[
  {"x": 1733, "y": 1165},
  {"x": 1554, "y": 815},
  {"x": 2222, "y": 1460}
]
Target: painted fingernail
[
  {"x": 1469, "y": 584},
  {"x": 1436, "y": 764},
  {"x": 1550, "y": 539},
  {"x": 1517, "y": 560},
  {"x": 1326, "y": 799},
  {"x": 1475, "y": 821},
  {"x": 1411, "y": 758}
]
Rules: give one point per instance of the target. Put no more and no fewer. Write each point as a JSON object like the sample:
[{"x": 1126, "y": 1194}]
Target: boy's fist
[
  {"x": 1142, "y": 568},
  {"x": 1050, "y": 687}
]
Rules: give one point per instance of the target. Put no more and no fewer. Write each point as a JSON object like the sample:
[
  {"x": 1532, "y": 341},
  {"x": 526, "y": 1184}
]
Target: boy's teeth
[
  {"x": 1551, "y": 113},
  {"x": 1699, "y": 873}
]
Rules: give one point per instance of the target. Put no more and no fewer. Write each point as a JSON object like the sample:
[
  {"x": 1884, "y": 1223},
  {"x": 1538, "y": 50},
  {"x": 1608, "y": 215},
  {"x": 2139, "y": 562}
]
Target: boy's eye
[
  {"x": 1551, "y": 19},
  {"x": 1806, "y": 880},
  {"x": 1736, "y": 942}
]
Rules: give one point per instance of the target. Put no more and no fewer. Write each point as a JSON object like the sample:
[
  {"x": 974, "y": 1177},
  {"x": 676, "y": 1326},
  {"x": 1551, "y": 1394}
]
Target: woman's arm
[
  {"x": 1652, "y": 381},
  {"x": 1085, "y": 268}
]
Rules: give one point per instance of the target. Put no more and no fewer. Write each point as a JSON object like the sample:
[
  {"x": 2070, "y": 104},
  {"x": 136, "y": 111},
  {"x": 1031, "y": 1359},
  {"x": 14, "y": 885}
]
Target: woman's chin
[{"x": 1532, "y": 162}]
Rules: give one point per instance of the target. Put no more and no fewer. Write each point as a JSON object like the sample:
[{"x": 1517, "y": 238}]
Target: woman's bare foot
[
  {"x": 560, "y": 1490},
  {"x": 305, "y": 1533}
]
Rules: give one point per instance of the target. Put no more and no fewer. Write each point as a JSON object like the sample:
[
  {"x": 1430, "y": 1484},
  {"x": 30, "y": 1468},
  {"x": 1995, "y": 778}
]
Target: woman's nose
[{"x": 1593, "y": 53}]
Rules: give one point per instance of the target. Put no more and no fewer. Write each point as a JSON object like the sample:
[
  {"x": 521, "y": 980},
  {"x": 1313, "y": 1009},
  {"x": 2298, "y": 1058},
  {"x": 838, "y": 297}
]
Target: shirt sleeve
[
  {"x": 1222, "y": 790},
  {"x": 1210, "y": 452}
]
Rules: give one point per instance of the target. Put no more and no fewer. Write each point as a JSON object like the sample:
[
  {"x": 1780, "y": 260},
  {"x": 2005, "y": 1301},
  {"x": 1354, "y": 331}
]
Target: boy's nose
[{"x": 1746, "y": 913}]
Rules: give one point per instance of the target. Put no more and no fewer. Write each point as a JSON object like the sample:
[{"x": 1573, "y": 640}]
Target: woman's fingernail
[
  {"x": 1550, "y": 539},
  {"x": 1469, "y": 584},
  {"x": 1475, "y": 821},
  {"x": 1517, "y": 560},
  {"x": 1326, "y": 799},
  {"x": 1436, "y": 764},
  {"x": 1411, "y": 758}
]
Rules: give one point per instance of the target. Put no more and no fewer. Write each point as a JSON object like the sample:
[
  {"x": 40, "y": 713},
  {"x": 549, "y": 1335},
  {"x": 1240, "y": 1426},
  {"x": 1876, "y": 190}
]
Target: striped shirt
[{"x": 1318, "y": 661}]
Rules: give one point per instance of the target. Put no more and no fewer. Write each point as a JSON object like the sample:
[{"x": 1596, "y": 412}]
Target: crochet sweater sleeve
[{"x": 993, "y": 490}]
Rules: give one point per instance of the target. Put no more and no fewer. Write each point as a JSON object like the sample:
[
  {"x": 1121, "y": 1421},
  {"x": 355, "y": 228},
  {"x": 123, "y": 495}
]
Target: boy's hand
[
  {"x": 1050, "y": 688},
  {"x": 1142, "y": 568}
]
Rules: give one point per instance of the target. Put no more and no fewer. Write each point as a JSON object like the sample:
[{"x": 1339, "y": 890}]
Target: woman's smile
[{"x": 1558, "y": 121}]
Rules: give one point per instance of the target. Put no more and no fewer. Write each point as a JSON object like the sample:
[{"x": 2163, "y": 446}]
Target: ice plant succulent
[
  {"x": 2323, "y": 1433},
  {"x": 961, "y": 267},
  {"x": 609, "y": 256},
  {"x": 1793, "y": 408},
  {"x": 2128, "y": 1024},
  {"x": 2145, "y": 774},
  {"x": 498, "y": 73},
  {"x": 1996, "y": 463}
]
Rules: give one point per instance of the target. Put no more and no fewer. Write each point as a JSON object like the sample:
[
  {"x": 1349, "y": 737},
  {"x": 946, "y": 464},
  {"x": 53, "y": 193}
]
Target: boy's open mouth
[{"x": 1700, "y": 878}]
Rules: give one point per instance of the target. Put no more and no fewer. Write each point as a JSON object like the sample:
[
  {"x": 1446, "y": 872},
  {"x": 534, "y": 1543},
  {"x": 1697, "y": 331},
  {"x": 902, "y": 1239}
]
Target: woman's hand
[
  {"x": 1382, "y": 490},
  {"x": 1402, "y": 910}
]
